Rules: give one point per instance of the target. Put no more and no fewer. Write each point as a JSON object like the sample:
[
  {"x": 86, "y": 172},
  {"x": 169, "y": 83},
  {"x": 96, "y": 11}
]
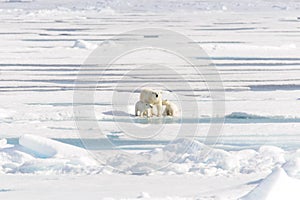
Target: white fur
[
  {"x": 142, "y": 108},
  {"x": 171, "y": 108},
  {"x": 152, "y": 97}
]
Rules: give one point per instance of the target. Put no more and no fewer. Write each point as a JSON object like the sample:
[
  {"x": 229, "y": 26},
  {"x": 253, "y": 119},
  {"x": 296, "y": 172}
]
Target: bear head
[
  {"x": 165, "y": 102},
  {"x": 156, "y": 96}
]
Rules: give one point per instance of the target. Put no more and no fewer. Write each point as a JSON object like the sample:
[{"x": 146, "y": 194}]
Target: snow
[
  {"x": 47, "y": 148},
  {"x": 278, "y": 185},
  {"x": 38, "y": 154},
  {"x": 3, "y": 144},
  {"x": 118, "y": 186},
  {"x": 255, "y": 47},
  {"x": 292, "y": 166},
  {"x": 157, "y": 6},
  {"x": 39, "y": 145},
  {"x": 81, "y": 44},
  {"x": 144, "y": 195}
]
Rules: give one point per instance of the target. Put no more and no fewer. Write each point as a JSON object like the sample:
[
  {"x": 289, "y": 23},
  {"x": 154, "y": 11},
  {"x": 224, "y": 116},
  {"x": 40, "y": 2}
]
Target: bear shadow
[{"x": 118, "y": 113}]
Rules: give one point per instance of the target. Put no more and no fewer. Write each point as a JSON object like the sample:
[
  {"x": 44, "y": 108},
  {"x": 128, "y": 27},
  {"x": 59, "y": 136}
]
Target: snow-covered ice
[
  {"x": 182, "y": 156},
  {"x": 84, "y": 45},
  {"x": 253, "y": 44},
  {"x": 275, "y": 186}
]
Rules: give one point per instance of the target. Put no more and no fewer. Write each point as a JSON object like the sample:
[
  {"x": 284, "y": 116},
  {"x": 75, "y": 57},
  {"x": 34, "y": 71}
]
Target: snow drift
[
  {"x": 277, "y": 186},
  {"x": 81, "y": 44},
  {"x": 182, "y": 156},
  {"x": 46, "y": 147},
  {"x": 38, "y": 154}
]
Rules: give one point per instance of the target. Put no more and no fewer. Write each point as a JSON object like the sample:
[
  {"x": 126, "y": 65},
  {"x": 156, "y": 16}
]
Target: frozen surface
[
  {"x": 104, "y": 186},
  {"x": 182, "y": 156},
  {"x": 255, "y": 47},
  {"x": 155, "y": 5},
  {"x": 275, "y": 186},
  {"x": 81, "y": 44}
]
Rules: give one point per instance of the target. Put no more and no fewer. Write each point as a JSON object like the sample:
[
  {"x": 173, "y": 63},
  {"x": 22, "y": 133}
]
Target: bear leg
[{"x": 159, "y": 110}]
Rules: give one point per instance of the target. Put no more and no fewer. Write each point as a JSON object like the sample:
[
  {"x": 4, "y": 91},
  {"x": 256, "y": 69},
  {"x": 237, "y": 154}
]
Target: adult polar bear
[{"x": 152, "y": 97}]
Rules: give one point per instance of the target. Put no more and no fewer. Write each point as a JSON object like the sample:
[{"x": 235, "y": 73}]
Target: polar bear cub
[
  {"x": 171, "y": 108},
  {"x": 142, "y": 108},
  {"x": 152, "y": 97}
]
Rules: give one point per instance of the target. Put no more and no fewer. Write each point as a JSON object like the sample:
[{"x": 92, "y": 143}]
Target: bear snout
[{"x": 156, "y": 95}]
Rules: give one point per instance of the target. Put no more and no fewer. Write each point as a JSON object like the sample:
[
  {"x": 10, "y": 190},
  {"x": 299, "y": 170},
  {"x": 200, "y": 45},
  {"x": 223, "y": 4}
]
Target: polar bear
[
  {"x": 171, "y": 108},
  {"x": 152, "y": 97},
  {"x": 142, "y": 108}
]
